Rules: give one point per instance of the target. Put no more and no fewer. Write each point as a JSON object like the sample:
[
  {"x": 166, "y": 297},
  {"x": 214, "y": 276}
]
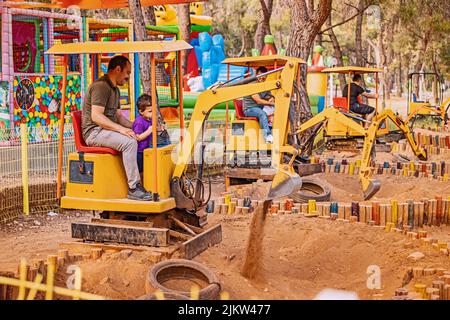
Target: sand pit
[{"x": 300, "y": 256}]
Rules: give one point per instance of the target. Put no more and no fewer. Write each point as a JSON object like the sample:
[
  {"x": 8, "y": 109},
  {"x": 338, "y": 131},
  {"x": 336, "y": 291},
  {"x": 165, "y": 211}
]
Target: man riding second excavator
[{"x": 356, "y": 90}]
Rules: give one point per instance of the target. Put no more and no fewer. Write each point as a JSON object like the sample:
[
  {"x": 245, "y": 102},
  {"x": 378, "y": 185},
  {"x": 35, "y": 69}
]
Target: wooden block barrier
[
  {"x": 439, "y": 170},
  {"x": 406, "y": 216}
]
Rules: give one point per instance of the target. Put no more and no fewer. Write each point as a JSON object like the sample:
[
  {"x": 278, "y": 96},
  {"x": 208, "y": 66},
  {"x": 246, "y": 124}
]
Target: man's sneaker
[
  {"x": 140, "y": 194},
  {"x": 269, "y": 139}
]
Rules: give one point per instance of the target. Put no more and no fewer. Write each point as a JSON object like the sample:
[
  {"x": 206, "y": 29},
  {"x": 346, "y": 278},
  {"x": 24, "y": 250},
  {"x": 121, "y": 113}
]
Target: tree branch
[
  {"x": 350, "y": 5},
  {"x": 346, "y": 20},
  {"x": 265, "y": 10}
]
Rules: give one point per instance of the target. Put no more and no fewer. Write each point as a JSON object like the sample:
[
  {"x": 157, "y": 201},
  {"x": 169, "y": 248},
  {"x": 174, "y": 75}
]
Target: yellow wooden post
[
  {"x": 50, "y": 280},
  {"x": 195, "y": 292},
  {"x": 224, "y": 295},
  {"x": 23, "y": 279},
  {"x": 24, "y": 151},
  {"x": 57, "y": 290},
  {"x": 159, "y": 295},
  {"x": 61, "y": 127},
  {"x": 77, "y": 284},
  {"x": 394, "y": 204},
  {"x": 312, "y": 206},
  {"x": 33, "y": 291}
]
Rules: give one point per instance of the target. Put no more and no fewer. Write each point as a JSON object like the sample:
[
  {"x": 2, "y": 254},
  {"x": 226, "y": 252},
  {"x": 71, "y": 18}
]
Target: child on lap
[
  {"x": 143, "y": 128},
  {"x": 269, "y": 110}
]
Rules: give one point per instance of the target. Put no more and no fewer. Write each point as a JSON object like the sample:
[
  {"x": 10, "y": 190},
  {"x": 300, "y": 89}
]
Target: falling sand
[{"x": 254, "y": 250}]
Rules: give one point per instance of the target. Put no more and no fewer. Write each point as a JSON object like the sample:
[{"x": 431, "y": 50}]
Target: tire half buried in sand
[{"x": 178, "y": 276}]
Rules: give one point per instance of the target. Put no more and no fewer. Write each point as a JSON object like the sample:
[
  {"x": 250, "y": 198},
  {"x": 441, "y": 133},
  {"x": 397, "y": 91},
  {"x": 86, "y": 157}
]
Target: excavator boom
[{"x": 286, "y": 180}]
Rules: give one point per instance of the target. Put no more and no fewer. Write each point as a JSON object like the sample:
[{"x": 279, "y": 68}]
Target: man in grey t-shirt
[{"x": 103, "y": 124}]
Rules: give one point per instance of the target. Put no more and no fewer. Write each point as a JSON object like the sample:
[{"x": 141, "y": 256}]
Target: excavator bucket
[
  {"x": 371, "y": 189},
  {"x": 285, "y": 182}
]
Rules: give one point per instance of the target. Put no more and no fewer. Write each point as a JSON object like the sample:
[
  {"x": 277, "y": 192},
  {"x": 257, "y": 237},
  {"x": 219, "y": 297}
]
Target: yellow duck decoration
[
  {"x": 196, "y": 8},
  {"x": 166, "y": 15}
]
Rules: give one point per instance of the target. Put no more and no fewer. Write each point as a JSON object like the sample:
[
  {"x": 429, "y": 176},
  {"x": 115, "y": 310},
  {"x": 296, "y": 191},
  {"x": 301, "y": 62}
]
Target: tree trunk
[
  {"x": 184, "y": 23},
  {"x": 389, "y": 55},
  {"x": 418, "y": 66},
  {"x": 149, "y": 16},
  {"x": 141, "y": 35},
  {"x": 337, "y": 53},
  {"x": 398, "y": 77},
  {"x": 263, "y": 27},
  {"x": 358, "y": 34},
  {"x": 306, "y": 24}
]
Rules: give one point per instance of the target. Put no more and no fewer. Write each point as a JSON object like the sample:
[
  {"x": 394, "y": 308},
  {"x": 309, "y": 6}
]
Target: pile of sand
[
  {"x": 303, "y": 256},
  {"x": 121, "y": 275}
]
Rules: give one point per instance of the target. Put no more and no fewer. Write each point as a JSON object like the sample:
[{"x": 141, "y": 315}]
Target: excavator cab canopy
[
  {"x": 352, "y": 70},
  {"x": 262, "y": 61}
]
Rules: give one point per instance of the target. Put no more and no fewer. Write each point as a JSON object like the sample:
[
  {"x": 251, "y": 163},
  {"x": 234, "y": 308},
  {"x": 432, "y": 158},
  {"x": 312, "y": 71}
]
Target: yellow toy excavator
[
  {"x": 96, "y": 178},
  {"x": 424, "y": 107},
  {"x": 369, "y": 186}
]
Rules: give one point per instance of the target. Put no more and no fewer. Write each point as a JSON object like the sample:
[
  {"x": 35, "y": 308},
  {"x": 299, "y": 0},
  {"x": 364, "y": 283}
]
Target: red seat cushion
[
  {"x": 80, "y": 144},
  {"x": 341, "y": 103},
  {"x": 238, "y": 107}
]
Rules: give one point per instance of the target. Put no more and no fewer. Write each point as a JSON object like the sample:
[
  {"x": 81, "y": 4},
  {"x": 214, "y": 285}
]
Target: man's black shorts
[{"x": 362, "y": 109}]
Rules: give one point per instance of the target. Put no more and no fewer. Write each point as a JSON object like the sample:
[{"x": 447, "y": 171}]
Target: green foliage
[{"x": 237, "y": 20}]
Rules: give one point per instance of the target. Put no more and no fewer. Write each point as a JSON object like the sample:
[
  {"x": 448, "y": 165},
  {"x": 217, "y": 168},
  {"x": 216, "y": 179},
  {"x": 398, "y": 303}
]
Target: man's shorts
[{"x": 362, "y": 109}]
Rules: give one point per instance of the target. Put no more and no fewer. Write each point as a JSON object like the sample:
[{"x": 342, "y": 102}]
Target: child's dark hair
[
  {"x": 143, "y": 102},
  {"x": 261, "y": 70}
]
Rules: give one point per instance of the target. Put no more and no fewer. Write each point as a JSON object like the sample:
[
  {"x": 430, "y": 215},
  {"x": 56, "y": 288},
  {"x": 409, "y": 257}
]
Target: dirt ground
[{"x": 301, "y": 256}]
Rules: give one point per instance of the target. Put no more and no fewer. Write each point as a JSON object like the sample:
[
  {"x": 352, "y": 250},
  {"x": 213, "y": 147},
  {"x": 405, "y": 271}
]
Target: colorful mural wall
[{"x": 36, "y": 99}]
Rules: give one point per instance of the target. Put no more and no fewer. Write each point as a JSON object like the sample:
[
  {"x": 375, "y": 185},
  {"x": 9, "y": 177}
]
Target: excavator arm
[
  {"x": 329, "y": 113},
  {"x": 372, "y": 186},
  {"x": 282, "y": 89}
]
